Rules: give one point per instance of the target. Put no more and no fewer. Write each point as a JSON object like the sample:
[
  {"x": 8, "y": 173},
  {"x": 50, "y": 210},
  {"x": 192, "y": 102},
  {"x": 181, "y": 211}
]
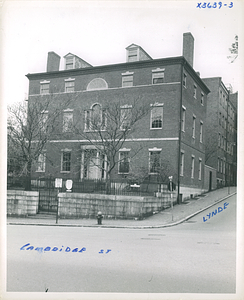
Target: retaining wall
[
  {"x": 22, "y": 203},
  {"x": 77, "y": 205}
]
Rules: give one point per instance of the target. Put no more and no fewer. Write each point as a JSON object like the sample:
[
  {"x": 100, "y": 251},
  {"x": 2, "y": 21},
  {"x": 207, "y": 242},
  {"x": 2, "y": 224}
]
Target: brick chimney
[
  {"x": 53, "y": 61},
  {"x": 188, "y": 47}
]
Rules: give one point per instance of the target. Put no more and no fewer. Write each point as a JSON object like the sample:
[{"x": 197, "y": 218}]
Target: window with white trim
[
  {"x": 201, "y": 131},
  {"x": 69, "y": 85},
  {"x": 202, "y": 99},
  {"x": 124, "y": 161},
  {"x": 69, "y": 62},
  {"x": 183, "y": 118},
  {"x": 44, "y": 121},
  {"x": 184, "y": 79},
  {"x": 44, "y": 87},
  {"x": 95, "y": 118},
  {"x": 158, "y": 76},
  {"x": 41, "y": 162},
  {"x": 192, "y": 165},
  {"x": 195, "y": 92},
  {"x": 156, "y": 116},
  {"x": 193, "y": 126},
  {"x": 125, "y": 117},
  {"x": 154, "y": 161},
  {"x": 182, "y": 156},
  {"x": 127, "y": 79},
  {"x": 66, "y": 161},
  {"x": 132, "y": 55},
  {"x": 68, "y": 121},
  {"x": 200, "y": 169}
]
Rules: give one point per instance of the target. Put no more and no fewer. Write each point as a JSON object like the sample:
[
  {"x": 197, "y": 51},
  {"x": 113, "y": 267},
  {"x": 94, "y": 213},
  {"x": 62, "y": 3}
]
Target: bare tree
[
  {"x": 29, "y": 128},
  {"x": 107, "y": 129},
  {"x": 233, "y": 50}
]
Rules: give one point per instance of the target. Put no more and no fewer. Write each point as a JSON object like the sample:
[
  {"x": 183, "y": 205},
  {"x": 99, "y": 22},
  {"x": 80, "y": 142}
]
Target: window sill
[
  {"x": 156, "y": 128},
  {"x": 65, "y": 172}
]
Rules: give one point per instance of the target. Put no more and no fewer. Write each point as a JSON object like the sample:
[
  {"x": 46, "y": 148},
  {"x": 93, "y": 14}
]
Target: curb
[{"x": 127, "y": 226}]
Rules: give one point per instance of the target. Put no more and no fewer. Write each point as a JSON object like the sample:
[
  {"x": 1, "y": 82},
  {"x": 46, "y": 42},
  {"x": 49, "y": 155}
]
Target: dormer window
[
  {"x": 69, "y": 64},
  {"x": 132, "y": 55}
]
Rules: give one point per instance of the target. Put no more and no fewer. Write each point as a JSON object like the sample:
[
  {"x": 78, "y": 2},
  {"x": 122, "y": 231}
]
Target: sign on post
[{"x": 58, "y": 185}]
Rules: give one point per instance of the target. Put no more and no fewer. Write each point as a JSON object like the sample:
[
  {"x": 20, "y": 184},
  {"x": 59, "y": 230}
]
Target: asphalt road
[{"x": 194, "y": 257}]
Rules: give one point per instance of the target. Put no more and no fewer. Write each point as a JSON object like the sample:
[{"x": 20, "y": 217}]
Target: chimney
[
  {"x": 188, "y": 47},
  {"x": 53, "y": 61}
]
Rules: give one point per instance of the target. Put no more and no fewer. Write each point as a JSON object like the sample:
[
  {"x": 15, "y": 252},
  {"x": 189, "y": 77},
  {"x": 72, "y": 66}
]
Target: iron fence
[{"x": 111, "y": 187}]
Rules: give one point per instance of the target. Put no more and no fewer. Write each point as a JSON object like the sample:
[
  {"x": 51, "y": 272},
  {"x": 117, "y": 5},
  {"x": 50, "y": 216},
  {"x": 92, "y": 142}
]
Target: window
[
  {"x": 67, "y": 121},
  {"x": 97, "y": 84},
  {"x": 200, "y": 169},
  {"x": 69, "y": 62},
  {"x": 154, "y": 161},
  {"x": 221, "y": 166},
  {"x": 182, "y": 155},
  {"x": 224, "y": 167},
  {"x": 95, "y": 118},
  {"x": 218, "y": 164},
  {"x": 44, "y": 121},
  {"x": 158, "y": 76},
  {"x": 193, "y": 126},
  {"x": 219, "y": 140},
  {"x": 124, "y": 161},
  {"x": 184, "y": 80},
  {"x": 220, "y": 119},
  {"x": 202, "y": 99},
  {"x": 66, "y": 161},
  {"x": 201, "y": 131},
  {"x": 132, "y": 55},
  {"x": 192, "y": 165},
  {"x": 127, "y": 79},
  {"x": 220, "y": 97},
  {"x": 125, "y": 117},
  {"x": 41, "y": 162},
  {"x": 195, "y": 91},
  {"x": 44, "y": 87},
  {"x": 157, "y": 116},
  {"x": 69, "y": 85},
  {"x": 183, "y": 118}
]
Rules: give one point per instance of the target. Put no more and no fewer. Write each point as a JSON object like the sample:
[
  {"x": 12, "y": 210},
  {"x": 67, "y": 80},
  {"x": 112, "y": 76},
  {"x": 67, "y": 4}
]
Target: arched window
[
  {"x": 95, "y": 118},
  {"x": 97, "y": 84}
]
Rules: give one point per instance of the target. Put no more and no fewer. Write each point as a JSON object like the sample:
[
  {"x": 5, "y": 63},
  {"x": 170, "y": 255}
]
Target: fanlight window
[{"x": 97, "y": 84}]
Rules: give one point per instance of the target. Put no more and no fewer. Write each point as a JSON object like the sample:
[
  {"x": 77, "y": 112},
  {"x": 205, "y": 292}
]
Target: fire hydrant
[{"x": 99, "y": 218}]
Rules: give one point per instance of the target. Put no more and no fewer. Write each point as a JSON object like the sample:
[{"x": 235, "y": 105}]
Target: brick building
[
  {"x": 221, "y": 131},
  {"x": 172, "y": 132}
]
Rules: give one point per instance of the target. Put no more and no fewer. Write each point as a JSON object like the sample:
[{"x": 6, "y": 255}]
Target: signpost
[{"x": 58, "y": 185}]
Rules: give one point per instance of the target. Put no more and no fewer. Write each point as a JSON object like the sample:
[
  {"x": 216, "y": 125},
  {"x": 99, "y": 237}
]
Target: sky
[{"x": 99, "y": 32}]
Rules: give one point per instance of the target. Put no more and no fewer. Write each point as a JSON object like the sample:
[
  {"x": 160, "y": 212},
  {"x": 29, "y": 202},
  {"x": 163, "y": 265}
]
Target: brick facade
[{"x": 181, "y": 94}]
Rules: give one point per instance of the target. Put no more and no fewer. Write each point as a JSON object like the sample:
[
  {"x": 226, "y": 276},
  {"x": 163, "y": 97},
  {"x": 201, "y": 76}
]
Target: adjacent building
[
  {"x": 221, "y": 131},
  {"x": 171, "y": 136}
]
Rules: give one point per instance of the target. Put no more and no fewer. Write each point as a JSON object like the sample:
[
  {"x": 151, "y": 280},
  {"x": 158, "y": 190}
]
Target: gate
[{"x": 48, "y": 200}]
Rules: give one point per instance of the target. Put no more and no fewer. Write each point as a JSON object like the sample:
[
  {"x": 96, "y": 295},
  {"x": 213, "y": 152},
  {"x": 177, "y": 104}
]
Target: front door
[{"x": 92, "y": 164}]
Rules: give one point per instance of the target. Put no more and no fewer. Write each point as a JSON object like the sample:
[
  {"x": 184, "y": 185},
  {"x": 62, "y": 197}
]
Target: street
[{"x": 197, "y": 256}]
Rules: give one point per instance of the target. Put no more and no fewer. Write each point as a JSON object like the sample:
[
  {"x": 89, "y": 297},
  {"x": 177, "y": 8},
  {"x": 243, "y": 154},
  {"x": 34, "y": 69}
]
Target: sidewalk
[{"x": 181, "y": 213}]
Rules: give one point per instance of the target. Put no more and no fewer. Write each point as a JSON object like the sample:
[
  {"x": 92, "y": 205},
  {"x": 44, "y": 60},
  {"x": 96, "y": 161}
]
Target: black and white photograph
[{"x": 121, "y": 148}]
